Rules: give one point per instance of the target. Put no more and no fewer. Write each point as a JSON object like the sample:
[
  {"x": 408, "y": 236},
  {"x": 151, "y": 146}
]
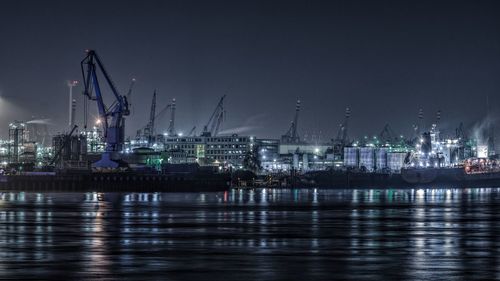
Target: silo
[
  {"x": 296, "y": 161},
  {"x": 381, "y": 158},
  {"x": 395, "y": 161},
  {"x": 305, "y": 161},
  {"x": 351, "y": 157},
  {"x": 367, "y": 158}
]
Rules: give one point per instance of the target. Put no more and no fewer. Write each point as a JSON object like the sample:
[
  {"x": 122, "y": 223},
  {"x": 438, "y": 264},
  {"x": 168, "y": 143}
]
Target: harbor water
[{"x": 261, "y": 234}]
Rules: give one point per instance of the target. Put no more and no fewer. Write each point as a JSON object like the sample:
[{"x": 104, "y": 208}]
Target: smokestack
[
  {"x": 72, "y": 114},
  {"x": 420, "y": 121},
  {"x": 72, "y": 103}
]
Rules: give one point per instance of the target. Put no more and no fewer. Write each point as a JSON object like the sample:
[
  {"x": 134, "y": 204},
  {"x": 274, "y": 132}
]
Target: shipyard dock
[{"x": 115, "y": 182}]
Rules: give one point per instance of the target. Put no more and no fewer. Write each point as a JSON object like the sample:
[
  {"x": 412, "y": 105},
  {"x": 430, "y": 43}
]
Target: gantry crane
[{"x": 111, "y": 117}]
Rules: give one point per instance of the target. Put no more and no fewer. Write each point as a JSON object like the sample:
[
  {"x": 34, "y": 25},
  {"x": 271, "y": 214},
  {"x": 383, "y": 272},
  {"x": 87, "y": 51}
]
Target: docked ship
[
  {"x": 178, "y": 179},
  {"x": 474, "y": 172}
]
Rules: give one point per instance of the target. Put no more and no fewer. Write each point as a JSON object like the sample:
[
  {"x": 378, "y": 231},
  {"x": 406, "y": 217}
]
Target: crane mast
[
  {"x": 149, "y": 131},
  {"x": 342, "y": 133},
  {"x": 295, "y": 122},
  {"x": 292, "y": 135},
  {"x": 111, "y": 117}
]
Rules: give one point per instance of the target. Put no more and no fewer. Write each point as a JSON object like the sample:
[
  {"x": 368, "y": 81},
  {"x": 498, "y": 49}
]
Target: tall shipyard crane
[
  {"x": 341, "y": 141},
  {"x": 419, "y": 127},
  {"x": 343, "y": 128},
  {"x": 387, "y": 135},
  {"x": 149, "y": 130},
  {"x": 292, "y": 135},
  {"x": 216, "y": 119},
  {"x": 111, "y": 117}
]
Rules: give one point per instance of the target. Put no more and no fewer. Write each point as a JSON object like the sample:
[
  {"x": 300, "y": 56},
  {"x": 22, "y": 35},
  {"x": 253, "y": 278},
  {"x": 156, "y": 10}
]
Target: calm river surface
[{"x": 262, "y": 234}]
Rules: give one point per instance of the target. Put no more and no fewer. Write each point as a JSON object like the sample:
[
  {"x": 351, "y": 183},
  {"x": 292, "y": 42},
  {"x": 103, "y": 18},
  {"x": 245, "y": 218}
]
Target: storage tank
[
  {"x": 351, "y": 157},
  {"x": 305, "y": 162},
  {"x": 296, "y": 161},
  {"x": 381, "y": 158},
  {"x": 395, "y": 161},
  {"x": 367, "y": 158},
  {"x": 28, "y": 152}
]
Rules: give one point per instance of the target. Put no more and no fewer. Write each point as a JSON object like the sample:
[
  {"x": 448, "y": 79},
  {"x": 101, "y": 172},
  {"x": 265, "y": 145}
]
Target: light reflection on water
[{"x": 410, "y": 234}]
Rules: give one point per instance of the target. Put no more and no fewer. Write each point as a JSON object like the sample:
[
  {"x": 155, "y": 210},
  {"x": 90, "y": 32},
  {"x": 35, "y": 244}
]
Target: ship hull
[
  {"x": 116, "y": 182},
  {"x": 445, "y": 177}
]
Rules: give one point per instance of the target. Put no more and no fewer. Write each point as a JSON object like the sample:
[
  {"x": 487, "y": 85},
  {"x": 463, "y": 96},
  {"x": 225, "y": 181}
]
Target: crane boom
[{"x": 192, "y": 132}]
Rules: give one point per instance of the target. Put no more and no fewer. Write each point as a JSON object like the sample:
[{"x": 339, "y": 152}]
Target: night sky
[{"x": 383, "y": 59}]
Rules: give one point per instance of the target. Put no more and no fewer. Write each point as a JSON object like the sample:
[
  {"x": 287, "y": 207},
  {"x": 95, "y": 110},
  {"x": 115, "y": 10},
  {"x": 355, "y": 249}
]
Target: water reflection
[{"x": 410, "y": 234}]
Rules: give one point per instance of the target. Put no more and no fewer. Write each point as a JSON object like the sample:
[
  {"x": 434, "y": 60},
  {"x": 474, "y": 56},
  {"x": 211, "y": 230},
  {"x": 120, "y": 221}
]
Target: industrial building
[{"x": 209, "y": 149}]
